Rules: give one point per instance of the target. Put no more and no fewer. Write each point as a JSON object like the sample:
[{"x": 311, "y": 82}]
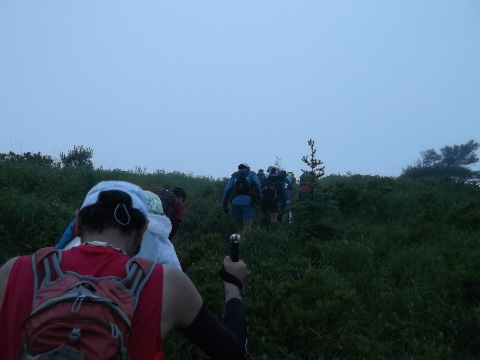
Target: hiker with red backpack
[
  {"x": 95, "y": 302},
  {"x": 244, "y": 191},
  {"x": 173, "y": 201},
  {"x": 308, "y": 183}
]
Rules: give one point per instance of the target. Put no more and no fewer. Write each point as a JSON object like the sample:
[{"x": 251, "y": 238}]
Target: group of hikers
[
  {"x": 272, "y": 192},
  {"x": 113, "y": 288}
]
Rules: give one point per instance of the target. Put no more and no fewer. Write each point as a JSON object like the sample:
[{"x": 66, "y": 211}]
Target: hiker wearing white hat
[{"x": 111, "y": 224}]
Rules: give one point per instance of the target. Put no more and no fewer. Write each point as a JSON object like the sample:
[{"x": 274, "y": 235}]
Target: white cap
[
  {"x": 136, "y": 193},
  {"x": 154, "y": 203}
]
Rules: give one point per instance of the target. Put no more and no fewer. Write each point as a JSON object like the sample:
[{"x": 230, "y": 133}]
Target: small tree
[
  {"x": 78, "y": 157},
  {"x": 313, "y": 163},
  {"x": 456, "y": 155},
  {"x": 430, "y": 158},
  {"x": 460, "y": 155},
  {"x": 315, "y": 216},
  {"x": 278, "y": 162}
]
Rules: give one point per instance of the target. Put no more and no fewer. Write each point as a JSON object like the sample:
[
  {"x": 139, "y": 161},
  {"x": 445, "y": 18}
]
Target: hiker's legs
[
  {"x": 286, "y": 214},
  {"x": 274, "y": 213},
  {"x": 239, "y": 227},
  {"x": 281, "y": 214},
  {"x": 247, "y": 224},
  {"x": 273, "y": 217},
  {"x": 264, "y": 206},
  {"x": 247, "y": 214},
  {"x": 238, "y": 216}
]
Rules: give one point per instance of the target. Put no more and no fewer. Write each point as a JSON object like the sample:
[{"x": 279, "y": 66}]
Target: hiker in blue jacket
[{"x": 245, "y": 191}]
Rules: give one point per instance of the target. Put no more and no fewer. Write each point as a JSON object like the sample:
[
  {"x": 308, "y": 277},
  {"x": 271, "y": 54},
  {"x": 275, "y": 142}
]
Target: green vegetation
[
  {"x": 78, "y": 157},
  {"x": 371, "y": 268},
  {"x": 452, "y": 161}
]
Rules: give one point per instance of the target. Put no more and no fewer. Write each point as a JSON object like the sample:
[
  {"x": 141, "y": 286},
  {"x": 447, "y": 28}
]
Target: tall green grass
[{"x": 371, "y": 267}]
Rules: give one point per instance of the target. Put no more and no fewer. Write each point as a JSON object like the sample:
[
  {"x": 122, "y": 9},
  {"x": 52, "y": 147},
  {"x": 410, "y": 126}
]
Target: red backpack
[{"x": 81, "y": 317}]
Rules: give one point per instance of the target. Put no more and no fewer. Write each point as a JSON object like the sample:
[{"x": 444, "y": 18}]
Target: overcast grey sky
[{"x": 200, "y": 86}]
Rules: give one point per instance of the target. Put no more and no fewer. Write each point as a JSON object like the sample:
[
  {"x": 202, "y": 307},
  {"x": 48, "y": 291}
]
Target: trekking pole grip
[{"x": 234, "y": 247}]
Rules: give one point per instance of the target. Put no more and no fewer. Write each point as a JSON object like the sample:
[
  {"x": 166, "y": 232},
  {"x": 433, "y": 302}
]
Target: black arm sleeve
[
  {"x": 217, "y": 340},
  {"x": 235, "y": 319}
]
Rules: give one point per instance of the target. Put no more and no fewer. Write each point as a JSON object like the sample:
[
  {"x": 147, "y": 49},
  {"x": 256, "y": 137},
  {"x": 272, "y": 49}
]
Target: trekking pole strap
[{"x": 232, "y": 279}]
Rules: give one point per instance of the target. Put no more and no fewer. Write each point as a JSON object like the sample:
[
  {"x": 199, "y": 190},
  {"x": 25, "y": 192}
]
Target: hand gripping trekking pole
[
  {"x": 234, "y": 251},
  {"x": 234, "y": 247},
  {"x": 240, "y": 326}
]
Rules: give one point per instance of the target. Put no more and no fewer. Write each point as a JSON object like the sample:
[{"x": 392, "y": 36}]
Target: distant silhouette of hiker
[
  {"x": 275, "y": 196},
  {"x": 244, "y": 190},
  {"x": 308, "y": 181},
  {"x": 173, "y": 205}
]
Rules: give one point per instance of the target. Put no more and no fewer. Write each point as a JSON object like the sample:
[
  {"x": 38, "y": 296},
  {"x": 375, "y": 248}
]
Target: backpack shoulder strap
[
  {"x": 139, "y": 271},
  {"x": 46, "y": 268}
]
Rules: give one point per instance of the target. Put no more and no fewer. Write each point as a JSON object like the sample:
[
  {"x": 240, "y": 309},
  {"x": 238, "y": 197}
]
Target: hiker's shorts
[{"x": 242, "y": 212}]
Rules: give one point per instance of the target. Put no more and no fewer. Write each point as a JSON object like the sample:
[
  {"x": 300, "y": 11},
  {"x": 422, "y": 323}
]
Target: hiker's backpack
[
  {"x": 81, "y": 317},
  {"x": 242, "y": 184},
  {"x": 272, "y": 188},
  {"x": 308, "y": 180},
  {"x": 169, "y": 202}
]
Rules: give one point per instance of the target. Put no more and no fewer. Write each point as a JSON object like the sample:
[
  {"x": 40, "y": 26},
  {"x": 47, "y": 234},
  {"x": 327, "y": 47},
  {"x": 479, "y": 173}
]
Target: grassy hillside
[{"x": 371, "y": 267}]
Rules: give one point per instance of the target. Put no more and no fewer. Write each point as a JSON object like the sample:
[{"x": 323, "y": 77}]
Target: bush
[{"x": 370, "y": 268}]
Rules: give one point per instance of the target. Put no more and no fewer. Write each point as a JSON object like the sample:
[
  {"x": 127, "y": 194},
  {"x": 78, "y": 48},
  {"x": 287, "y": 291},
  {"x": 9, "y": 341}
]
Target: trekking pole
[{"x": 234, "y": 247}]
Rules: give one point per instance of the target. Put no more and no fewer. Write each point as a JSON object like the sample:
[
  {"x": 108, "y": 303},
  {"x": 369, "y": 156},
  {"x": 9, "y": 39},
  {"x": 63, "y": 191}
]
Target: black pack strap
[{"x": 232, "y": 279}]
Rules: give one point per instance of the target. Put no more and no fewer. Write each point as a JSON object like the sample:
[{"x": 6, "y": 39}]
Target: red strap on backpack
[
  {"x": 42, "y": 265},
  {"x": 46, "y": 269},
  {"x": 138, "y": 272}
]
